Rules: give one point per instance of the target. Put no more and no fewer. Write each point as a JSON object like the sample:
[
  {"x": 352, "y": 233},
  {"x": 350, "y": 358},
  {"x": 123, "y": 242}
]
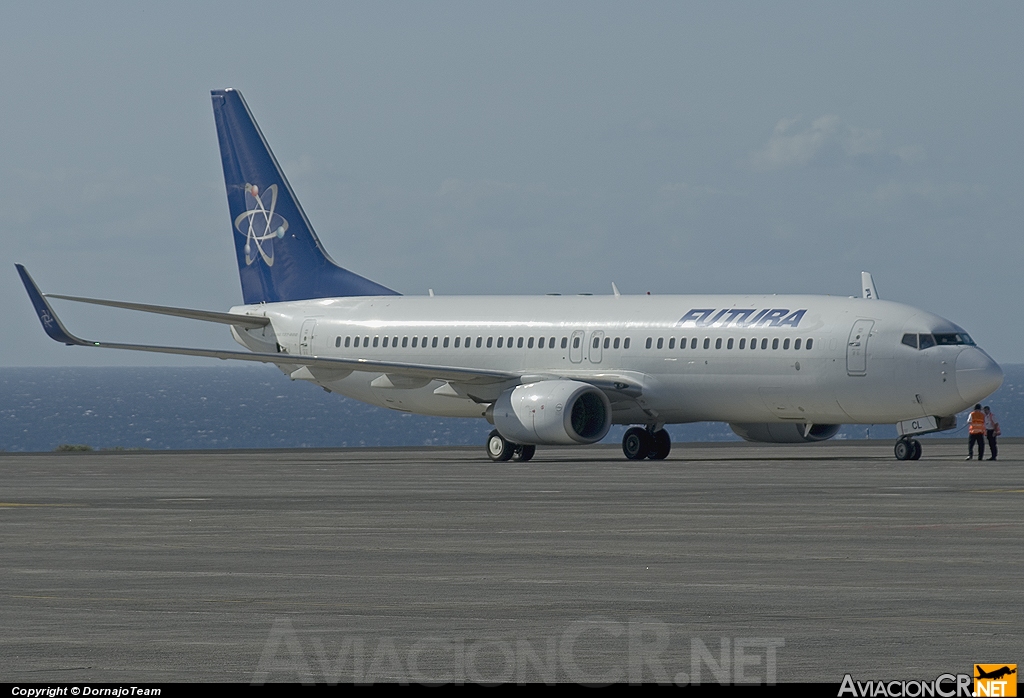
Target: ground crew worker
[
  {"x": 976, "y": 433},
  {"x": 991, "y": 432}
]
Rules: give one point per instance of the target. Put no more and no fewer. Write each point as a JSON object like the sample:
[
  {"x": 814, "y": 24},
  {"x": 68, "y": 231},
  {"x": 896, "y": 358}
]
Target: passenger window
[
  {"x": 457, "y": 341},
  {"x": 764, "y": 343},
  {"x": 519, "y": 344},
  {"x": 468, "y": 341},
  {"x": 433, "y": 343},
  {"x": 607, "y": 342},
  {"x": 415, "y": 342},
  {"x": 796, "y": 345},
  {"x": 575, "y": 342},
  {"x": 707, "y": 342},
  {"x": 501, "y": 342},
  {"x": 809, "y": 343},
  {"x": 565, "y": 342},
  {"x": 348, "y": 342},
  {"x": 394, "y": 341},
  {"x": 376, "y": 339},
  {"x": 540, "y": 342},
  {"x": 479, "y": 342},
  {"x": 775, "y": 343},
  {"x": 743, "y": 343},
  {"x": 661, "y": 342},
  {"x": 649, "y": 340},
  {"x": 509, "y": 342},
  {"x": 729, "y": 344},
  {"x": 672, "y": 343},
  {"x": 597, "y": 342},
  {"x": 927, "y": 341},
  {"x": 405, "y": 342},
  {"x": 488, "y": 342},
  {"x": 718, "y": 343},
  {"x": 445, "y": 343},
  {"x": 529, "y": 343},
  {"x": 625, "y": 343},
  {"x": 337, "y": 342},
  {"x": 785, "y": 343},
  {"x": 693, "y": 343},
  {"x": 615, "y": 344}
]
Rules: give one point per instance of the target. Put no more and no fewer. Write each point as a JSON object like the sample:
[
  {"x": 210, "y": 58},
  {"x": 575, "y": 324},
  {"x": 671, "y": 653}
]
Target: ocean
[{"x": 258, "y": 407}]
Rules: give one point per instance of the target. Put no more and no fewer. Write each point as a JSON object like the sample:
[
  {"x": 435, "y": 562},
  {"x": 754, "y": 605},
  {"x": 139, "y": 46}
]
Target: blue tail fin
[{"x": 280, "y": 258}]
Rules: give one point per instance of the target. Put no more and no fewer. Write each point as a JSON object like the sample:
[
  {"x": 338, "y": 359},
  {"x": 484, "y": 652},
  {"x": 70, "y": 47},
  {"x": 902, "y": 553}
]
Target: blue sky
[{"x": 519, "y": 148}]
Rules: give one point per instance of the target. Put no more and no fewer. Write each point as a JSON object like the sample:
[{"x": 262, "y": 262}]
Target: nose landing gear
[{"x": 907, "y": 449}]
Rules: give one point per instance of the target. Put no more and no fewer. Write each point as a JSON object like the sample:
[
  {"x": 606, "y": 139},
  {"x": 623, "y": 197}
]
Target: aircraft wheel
[
  {"x": 661, "y": 444},
  {"x": 636, "y": 443},
  {"x": 903, "y": 449},
  {"x": 498, "y": 447},
  {"x": 524, "y": 453},
  {"x": 916, "y": 445}
]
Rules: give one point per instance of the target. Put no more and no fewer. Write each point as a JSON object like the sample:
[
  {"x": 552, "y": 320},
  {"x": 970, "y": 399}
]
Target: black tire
[
  {"x": 661, "y": 444},
  {"x": 636, "y": 443},
  {"x": 903, "y": 449},
  {"x": 524, "y": 453},
  {"x": 498, "y": 447},
  {"x": 916, "y": 455}
]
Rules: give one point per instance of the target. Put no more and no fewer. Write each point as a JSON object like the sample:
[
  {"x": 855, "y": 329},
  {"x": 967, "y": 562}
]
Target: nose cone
[{"x": 977, "y": 375}]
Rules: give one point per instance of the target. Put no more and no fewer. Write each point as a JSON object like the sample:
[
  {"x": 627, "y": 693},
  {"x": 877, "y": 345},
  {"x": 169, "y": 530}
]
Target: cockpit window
[
  {"x": 949, "y": 338},
  {"x": 926, "y": 341},
  {"x": 910, "y": 340}
]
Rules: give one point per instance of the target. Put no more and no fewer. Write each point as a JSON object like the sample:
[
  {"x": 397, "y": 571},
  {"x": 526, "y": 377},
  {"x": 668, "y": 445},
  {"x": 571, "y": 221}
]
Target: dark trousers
[
  {"x": 991, "y": 435},
  {"x": 976, "y": 439}
]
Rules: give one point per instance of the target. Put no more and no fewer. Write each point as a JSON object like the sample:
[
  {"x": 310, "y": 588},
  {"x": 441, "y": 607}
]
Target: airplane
[
  {"x": 995, "y": 673},
  {"x": 553, "y": 369}
]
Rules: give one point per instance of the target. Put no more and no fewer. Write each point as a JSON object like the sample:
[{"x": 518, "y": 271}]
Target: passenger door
[
  {"x": 857, "y": 348},
  {"x": 306, "y": 337}
]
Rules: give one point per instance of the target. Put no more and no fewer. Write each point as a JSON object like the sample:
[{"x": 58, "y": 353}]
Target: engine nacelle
[
  {"x": 552, "y": 412},
  {"x": 785, "y": 433}
]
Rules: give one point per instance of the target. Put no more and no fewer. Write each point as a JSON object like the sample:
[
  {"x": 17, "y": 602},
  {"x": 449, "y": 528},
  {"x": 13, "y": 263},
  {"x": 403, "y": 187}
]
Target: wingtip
[{"x": 49, "y": 320}]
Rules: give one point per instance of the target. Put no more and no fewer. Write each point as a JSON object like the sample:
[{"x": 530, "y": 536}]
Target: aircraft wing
[
  {"x": 247, "y": 321},
  {"x": 56, "y": 331}
]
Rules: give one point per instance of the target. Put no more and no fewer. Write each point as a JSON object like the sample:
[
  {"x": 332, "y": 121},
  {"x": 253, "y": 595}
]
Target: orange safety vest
[{"x": 976, "y": 422}]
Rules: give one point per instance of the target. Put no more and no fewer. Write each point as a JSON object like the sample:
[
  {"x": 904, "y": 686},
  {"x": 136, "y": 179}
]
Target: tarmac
[{"x": 724, "y": 563}]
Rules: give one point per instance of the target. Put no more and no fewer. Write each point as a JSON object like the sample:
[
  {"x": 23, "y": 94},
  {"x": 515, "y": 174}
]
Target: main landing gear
[
  {"x": 907, "y": 449},
  {"x": 501, "y": 449},
  {"x": 639, "y": 443}
]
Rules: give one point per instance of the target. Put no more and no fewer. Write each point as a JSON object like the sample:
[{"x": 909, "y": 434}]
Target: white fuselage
[{"x": 694, "y": 358}]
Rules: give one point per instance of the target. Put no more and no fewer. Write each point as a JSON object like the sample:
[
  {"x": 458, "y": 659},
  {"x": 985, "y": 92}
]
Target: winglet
[
  {"x": 867, "y": 286},
  {"x": 51, "y": 323}
]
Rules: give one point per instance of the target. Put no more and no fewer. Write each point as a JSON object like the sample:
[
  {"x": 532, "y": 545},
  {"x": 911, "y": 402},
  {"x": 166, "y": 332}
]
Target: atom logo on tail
[{"x": 260, "y": 224}]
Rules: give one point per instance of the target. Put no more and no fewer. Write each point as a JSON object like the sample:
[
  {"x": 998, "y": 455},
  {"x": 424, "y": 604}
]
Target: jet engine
[
  {"x": 785, "y": 433},
  {"x": 552, "y": 412}
]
